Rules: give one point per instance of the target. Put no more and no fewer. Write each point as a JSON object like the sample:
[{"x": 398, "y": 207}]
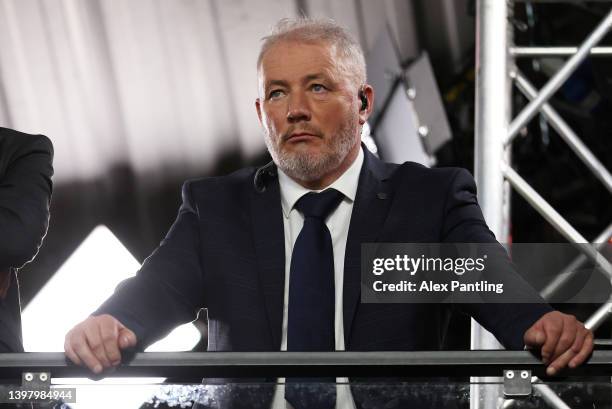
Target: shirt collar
[{"x": 291, "y": 191}]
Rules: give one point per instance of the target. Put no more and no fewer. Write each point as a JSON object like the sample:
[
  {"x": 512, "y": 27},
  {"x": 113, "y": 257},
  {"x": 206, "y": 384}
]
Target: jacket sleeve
[
  {"x": 25, "y": 192},
  {"x": 464, "y": 223},
  {"x": 167, "y": 290}
]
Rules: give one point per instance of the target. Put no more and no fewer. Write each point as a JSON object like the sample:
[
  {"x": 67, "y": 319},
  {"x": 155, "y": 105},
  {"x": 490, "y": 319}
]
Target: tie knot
[{"x": 319, "y": 205}]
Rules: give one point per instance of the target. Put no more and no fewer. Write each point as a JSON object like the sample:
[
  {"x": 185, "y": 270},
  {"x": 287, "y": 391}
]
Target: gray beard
[{"x": 307, "y": 167}]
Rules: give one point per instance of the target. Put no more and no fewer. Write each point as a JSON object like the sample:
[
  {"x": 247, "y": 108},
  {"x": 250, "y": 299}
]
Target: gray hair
[{"x": 308, "y": 30}]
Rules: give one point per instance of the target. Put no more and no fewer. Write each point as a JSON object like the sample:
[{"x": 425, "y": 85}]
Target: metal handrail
[{"x": 409, "y": 364}]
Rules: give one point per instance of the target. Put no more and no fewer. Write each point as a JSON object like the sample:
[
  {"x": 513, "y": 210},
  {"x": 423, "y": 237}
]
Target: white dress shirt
[{"x": 338, "y": 224}]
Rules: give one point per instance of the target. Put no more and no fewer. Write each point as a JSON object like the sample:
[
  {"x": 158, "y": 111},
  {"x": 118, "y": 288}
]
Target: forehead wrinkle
[{"x": 332, "y": 65}]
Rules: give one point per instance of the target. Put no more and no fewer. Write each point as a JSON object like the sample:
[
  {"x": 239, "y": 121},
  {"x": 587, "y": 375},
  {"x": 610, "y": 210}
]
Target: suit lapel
[
  {"x": 372, "y": 202},
  {"x": 269, "y": 240}
]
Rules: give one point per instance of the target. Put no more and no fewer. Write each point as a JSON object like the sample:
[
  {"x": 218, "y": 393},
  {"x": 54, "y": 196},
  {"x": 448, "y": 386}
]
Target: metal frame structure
[
  {"x": 495, "y": 131},
  {"x": 193, "y": 366},
  {"x": 437, "y": 366},
  {"x": 270, "y": 365}
]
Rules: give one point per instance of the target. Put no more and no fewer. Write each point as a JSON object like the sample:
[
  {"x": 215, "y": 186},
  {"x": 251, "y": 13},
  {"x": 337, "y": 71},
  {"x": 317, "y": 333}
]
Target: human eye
[
  {"x": 275, "y": 94},
  {"x": 318, "y": 88}
]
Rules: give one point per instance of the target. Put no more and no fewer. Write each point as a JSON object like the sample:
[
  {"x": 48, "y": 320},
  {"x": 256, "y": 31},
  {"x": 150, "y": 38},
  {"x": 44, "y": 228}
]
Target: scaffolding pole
[
  {"x": 554, "y": 218},
  {"x": 566, "y": 133},
  {"x": 492, "y": 82},
  {"x": 491, "y": 122},
  {"x": 568, "y": 272},
  {"x": 559, "y": 78},
  {"x": 521, "y": 52},
  {"x": 494, "y": 135}
]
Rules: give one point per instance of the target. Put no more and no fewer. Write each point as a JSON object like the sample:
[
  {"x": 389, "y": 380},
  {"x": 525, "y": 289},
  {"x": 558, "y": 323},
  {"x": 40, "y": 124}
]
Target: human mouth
[{"x": 301, "y": 136}]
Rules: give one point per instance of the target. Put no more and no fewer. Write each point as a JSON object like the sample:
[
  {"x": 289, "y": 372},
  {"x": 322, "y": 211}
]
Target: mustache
[{"x": 303, "y": 128}]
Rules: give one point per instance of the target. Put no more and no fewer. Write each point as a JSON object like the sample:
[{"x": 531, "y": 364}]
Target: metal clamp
[{"x": 517, "y": 383}]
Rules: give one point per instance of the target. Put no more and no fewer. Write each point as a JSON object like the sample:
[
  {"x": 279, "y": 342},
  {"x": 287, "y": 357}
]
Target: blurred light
[{"x": 82, "y": 283}]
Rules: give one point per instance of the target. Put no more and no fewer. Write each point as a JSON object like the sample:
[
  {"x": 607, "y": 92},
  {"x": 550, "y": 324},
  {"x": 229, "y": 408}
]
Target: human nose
[{"x": 298, "y": 109}]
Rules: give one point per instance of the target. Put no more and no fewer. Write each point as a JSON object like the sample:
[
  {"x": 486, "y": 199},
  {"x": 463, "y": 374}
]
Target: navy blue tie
[{"x": 310, "y": 323}]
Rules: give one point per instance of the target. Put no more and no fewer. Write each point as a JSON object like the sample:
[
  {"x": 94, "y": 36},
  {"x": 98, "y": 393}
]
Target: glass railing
[{"x": 449, "y": 379}]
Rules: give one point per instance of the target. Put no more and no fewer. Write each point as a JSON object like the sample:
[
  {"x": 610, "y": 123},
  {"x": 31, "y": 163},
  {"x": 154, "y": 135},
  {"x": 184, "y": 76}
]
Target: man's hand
[
  {"x": 564, "y": 341},
  {"x": 97, "y": 341}
]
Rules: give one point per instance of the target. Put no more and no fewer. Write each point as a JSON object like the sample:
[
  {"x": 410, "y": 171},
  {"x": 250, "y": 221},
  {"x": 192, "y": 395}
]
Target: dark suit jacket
[
  {"x": 225, "y": 252},
  {"x": 25, "y": 191}
]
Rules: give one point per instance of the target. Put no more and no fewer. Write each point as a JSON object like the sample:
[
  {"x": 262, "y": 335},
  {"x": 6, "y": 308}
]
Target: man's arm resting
[
  {"x": 97, "y": 342},
  {"x": 166, "y": 292},
  {"x": 562, "y": 339}
]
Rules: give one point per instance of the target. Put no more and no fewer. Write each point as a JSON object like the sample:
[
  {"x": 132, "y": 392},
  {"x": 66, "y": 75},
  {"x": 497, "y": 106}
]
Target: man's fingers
[
  {"x": 534, "y": 337},
  {"x": 581, "y": 333},
  {"x": 560, "y": 363},
  {"x": 96, "y": 342},
  {"x": 94, "y": 339},
  {"x": 567, "y": 337},
  {"x": 570, "y": 357},
  {"x": 109, "y": 336},
  {"x": 70, "y": 353},
  {"x": 85, "y": 354},
  {"x": 564, "y": 341},
  {"x": 585, "y": 351},
  {"x": 127, "y": 338},
  {"x": 553, "y": 331}
]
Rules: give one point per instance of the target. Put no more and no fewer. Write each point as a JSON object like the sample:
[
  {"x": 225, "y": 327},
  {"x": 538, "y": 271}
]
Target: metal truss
[{"x": 495, "y": 132}]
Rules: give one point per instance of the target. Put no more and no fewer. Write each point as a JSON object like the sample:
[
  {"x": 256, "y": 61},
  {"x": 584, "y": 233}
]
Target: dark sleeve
[
  {"x": 25, "y": 191},
  {"x": 167, "y": 290},
  {"x": 464, "y": 223}
]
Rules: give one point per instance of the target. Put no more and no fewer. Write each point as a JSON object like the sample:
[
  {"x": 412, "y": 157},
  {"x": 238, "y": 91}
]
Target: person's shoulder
[
  {"x": 220, "y": 195},
  {"x": 238, "y": 179},
  {"x": 417, "y": 171},
  {"x": 12, "y": 141}
]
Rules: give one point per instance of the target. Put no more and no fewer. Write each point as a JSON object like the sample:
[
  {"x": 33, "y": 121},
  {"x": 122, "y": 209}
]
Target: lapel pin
[{"x": 381, "y": 195}]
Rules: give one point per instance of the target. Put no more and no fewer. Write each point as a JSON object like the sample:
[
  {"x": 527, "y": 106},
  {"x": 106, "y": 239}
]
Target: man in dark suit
[
  {"x": 234, "y": 245},
  {"x": 25, "y": 191}
]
